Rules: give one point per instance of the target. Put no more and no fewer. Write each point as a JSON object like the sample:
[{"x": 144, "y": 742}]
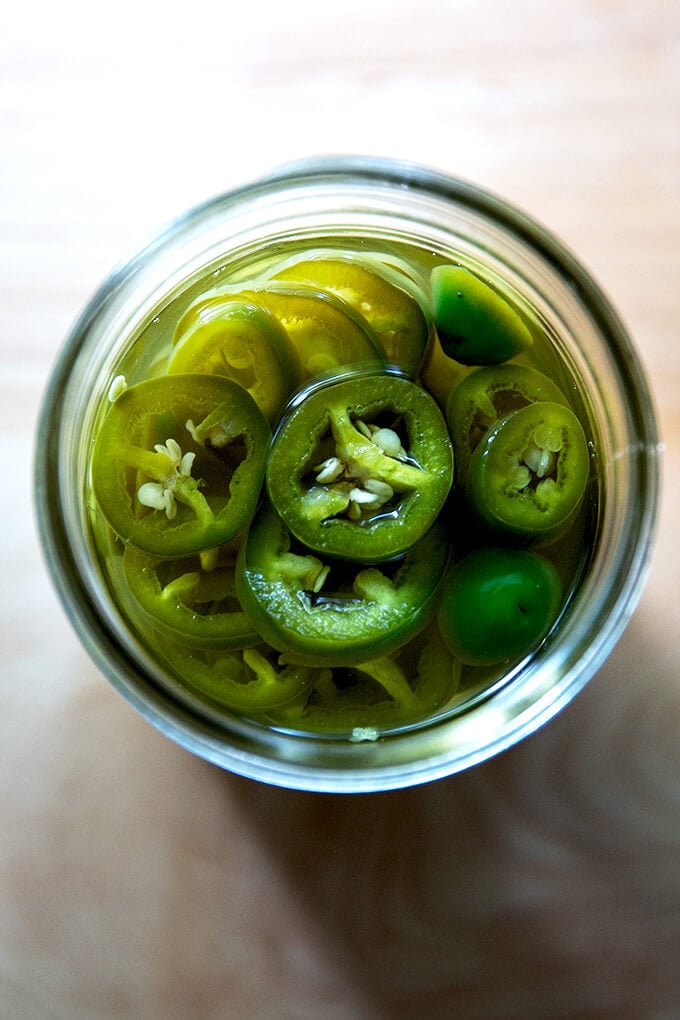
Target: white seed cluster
[
  {"x": 161, "y": 495},
  {"x": 387, "y": 439},
  {"x": 537, "y": 463},
  {"x": 541, "y": 462},
  {"x": 372, "y": 493}
]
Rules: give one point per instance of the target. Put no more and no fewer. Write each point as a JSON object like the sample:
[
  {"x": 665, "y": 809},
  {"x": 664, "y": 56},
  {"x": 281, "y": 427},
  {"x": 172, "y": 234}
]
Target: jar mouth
[{"x": 339, "y": 191}]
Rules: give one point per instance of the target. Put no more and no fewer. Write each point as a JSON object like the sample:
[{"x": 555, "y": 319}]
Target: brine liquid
[{"x": 347, "y": 701}]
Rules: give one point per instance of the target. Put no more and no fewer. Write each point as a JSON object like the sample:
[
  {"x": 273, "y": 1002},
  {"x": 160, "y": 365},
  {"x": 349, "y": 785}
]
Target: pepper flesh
[
  {"x": 485, "y": 396},
  {"x": 178, "y": 463},
  {"x": 339, "y": 431},
  {"x": 475, "y": 323},
  {"x": 370, "y": 614},
  {"x": 324, "y": 331},
  {"x": 391, "y": 304},
  {"x": 244, "y": 341},
  {"x": 528, "y": 475},
  {"x": 191, "y": 599}
]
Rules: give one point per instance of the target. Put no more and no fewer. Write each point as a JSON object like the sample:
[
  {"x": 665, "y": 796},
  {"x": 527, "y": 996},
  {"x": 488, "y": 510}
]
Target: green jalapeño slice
[
  {"x": 245, "y": 342},
  {"x": 475, "y": 323},
  {"x": 528, "y": 475},
  {"x": 178, "y": 462},
  {"x": 392, "y": 304},
  {"x": 497, "y": 604},
  {"x": 361, "y": 468},
  {"x": 485, "y": 396},
  {"x": 321, "y": 614},
  {"x": 325, "y": 332},
  {"x": 249, "y": 680},
  {"x": 417, "y": 679},
  {"x": 192, "y": 599}
]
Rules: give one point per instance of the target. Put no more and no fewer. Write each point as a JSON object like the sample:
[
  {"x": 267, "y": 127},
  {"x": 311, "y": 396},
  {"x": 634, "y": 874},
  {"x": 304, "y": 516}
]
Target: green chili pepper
[
  {"x": 191, "y": 599},
  {"x": 321, "y": 615},
  {"x": 326, "y": 333},
  {"x": 361, "y": 468},
  {"x": 244, "y": 341},
  {"x": 244, "y": 681},
  {"x": 389, "y": 690},
  {"x": 487, "y": 395},
  {"x": 476, "y": 324},
  {"x": 498, "y": 604},
  {"x": 528, "y": 475},
  {"x": 391, "y": 303},
  {"x": 178, "y": 462}
]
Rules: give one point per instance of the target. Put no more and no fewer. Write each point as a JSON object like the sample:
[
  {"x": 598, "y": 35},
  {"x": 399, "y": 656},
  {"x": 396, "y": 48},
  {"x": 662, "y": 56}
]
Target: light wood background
[{"x": 139, "y": 882}]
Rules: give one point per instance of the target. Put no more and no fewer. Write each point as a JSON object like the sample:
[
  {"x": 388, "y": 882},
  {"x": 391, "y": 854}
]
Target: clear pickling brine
[
  {"x": 299, "y": 485},
  {"x": 348, "y": 479}
]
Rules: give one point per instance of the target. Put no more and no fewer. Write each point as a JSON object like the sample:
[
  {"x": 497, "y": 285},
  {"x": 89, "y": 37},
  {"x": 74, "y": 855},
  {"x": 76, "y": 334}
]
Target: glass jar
[{"x": 379, "y": 201}]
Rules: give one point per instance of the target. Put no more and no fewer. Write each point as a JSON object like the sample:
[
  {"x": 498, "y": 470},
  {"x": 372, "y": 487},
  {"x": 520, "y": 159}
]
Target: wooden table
[{"x": 139, "y": 882}]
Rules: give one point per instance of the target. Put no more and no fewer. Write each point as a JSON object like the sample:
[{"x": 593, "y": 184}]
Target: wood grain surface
[{"x": 139, "y": 882}]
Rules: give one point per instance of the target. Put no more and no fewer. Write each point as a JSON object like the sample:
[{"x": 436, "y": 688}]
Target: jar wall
[{"x": 377, "y": 201}]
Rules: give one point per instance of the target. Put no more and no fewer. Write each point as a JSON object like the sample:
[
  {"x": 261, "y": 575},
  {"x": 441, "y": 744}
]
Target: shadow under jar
[{"x": 293, "y": 644}]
